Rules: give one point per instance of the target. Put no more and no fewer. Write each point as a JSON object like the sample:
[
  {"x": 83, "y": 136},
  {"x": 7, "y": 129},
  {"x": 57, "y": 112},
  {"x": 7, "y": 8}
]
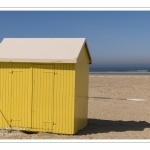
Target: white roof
[{"x": 56, "y": 50}]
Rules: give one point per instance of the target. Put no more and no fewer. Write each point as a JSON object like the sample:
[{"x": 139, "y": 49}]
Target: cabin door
[
  {"x": 5, "y": 95},
  {"x": 42, "y": 110},
  {"x": 21, "y": 95}
]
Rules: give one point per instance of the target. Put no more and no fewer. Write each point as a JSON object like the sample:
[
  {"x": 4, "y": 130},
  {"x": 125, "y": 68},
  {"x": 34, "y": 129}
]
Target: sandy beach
[{"x": 118, "y": 108}]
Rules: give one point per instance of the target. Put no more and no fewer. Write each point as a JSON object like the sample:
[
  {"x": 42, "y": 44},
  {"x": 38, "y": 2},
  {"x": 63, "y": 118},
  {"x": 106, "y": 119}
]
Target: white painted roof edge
[
  {"x": 88, "y": 51},
  {"x": 85, "y": 43},
  {"x": 39, "y": 60}
]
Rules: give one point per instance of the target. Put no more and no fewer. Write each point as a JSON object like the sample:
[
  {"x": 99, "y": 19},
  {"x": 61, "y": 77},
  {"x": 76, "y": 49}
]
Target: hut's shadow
[{"x": 104, "y": 126}]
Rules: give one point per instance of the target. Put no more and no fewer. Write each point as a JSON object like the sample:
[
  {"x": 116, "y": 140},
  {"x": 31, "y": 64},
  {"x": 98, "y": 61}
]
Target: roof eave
[
  {"x": 38, "y": 60},
  {"x": 85, "y": 42}
]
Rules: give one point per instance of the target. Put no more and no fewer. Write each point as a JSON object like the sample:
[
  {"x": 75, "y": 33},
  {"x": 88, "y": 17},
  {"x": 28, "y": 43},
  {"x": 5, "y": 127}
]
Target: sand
[{"x": 119, "y": 108}]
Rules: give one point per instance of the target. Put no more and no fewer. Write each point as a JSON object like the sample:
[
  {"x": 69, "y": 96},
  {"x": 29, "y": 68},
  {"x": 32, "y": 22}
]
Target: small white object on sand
[{"x": 136, "y": 99}]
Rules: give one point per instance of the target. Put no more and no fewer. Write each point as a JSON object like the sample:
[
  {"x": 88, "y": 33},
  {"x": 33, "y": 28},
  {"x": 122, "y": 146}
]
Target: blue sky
[{"x": 114, "y": 38}]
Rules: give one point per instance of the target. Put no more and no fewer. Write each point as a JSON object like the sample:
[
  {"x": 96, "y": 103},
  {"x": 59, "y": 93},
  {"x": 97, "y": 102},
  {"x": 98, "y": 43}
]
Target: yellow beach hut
[{"x": 44, "y": 84}]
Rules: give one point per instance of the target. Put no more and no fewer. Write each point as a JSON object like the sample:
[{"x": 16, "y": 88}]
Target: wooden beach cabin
[{"x": 44, "y": 84}]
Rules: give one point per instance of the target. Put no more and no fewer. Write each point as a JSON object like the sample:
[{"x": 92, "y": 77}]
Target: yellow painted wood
[
  {"x": 81, "y": 90},
  {"x": 44, "y": 97},
  {"x": 64, "y": 90},
  {"x": 15, "y": 95},
  {"x": 42, "y": 106},
  {"x": 5, "y": 85},
  {"x": 21, "y": 95}
]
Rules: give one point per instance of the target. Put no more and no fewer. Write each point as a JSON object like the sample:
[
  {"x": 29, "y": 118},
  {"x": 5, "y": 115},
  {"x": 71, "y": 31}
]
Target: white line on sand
[
  {"x": 136, "y": 99},
  {"x": 100, "y": 76}
]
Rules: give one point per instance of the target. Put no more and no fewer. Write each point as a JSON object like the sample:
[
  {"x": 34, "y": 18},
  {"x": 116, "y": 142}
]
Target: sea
[{"x": 117, "y": 70}]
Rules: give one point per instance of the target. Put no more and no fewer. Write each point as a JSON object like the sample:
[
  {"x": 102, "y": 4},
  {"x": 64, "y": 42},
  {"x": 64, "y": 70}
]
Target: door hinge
[
  {"x": 11, "y": 71},
  {"x": 48, "y": 122}
]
